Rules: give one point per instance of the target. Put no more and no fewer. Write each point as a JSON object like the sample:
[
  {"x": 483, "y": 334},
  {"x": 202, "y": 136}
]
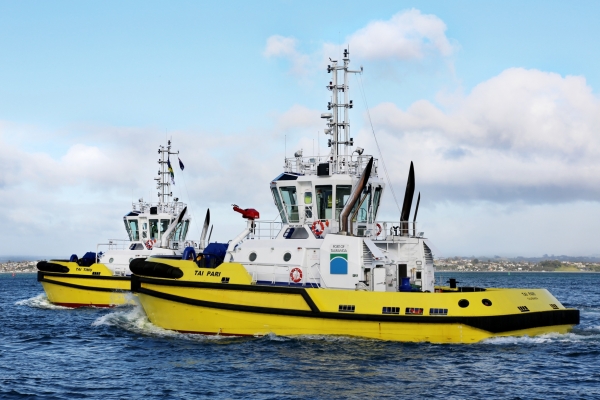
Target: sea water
[{"x": 59, "y": 353}]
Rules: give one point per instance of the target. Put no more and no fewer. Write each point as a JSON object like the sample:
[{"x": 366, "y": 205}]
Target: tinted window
[
  {"x": 342, "y": 194},
  {"x": 290, "y": 202},
  {"x": 134, "y": 233},
  {"x": 153, "y": 229},
  {"x": 279, "y": 205},
  {"x": 324, "y": 201}
]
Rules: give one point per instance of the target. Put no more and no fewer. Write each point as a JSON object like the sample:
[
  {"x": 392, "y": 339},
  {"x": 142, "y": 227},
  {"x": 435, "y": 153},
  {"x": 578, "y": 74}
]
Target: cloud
[
  {"x": 285, "y": 47},
  {"x": 77, "y": 190},
  {"x": 408, "y": 35},
  {"x": 524, "y": 135}
]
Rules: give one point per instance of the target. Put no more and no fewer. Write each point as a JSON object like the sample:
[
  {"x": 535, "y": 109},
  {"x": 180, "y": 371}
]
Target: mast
[
  {"x": 339, "y": 137},
  {"x": 163, "y": 183}
]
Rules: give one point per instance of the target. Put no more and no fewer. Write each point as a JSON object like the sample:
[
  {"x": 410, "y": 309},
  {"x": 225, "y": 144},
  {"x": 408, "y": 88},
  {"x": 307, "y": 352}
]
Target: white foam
[
  {"x": 572, "y": 337},
  {"x": 134, "y": 320},
  {"x": 40, "y": 301}
]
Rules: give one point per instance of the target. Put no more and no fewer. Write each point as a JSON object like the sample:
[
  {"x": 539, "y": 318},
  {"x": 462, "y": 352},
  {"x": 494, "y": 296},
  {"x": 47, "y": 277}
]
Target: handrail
[
  {"x": 308, "y": 165},
  {"x": 321, "y": 280}
]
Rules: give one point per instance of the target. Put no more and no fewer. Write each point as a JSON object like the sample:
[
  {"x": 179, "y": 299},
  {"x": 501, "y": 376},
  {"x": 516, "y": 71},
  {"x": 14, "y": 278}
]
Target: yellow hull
[
  {"x": 202, "y": 303},
  {"x": 85, "y": 286}
]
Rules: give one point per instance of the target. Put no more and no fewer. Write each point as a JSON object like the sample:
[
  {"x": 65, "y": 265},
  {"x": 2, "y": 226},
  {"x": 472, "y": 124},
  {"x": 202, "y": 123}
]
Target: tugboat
[
  {"x": 330, "y": 267},
  {"x": 102, "y": 278}
]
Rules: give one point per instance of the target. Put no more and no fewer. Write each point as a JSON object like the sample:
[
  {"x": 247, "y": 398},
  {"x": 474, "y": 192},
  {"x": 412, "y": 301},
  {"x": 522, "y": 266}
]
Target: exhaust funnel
[
  {"x": 354, "y": 196},
  {"x": 408, "y": 198},
  {"x": 205, "y": 230},
  {"x": 415, "y": 217}
]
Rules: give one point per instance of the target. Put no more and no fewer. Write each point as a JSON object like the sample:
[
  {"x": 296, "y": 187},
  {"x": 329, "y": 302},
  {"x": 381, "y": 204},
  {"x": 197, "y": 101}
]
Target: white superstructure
[{"x": 329, "y": 234}]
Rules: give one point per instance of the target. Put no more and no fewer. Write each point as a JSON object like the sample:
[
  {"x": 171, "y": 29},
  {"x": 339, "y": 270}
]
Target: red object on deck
[{"x": 248, "y": 213}]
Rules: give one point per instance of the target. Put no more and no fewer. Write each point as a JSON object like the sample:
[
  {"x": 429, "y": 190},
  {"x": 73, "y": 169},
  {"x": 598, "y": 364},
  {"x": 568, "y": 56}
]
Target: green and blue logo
[{"x": 338, "y": 263}]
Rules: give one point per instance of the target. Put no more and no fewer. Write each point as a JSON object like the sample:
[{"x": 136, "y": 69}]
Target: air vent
[
  {"x": 224, "y": 280},
  {"x": 346, "y": 308},
  {"x": 438, "y": 311},
  {"x": 554, "y": 306},
  {"x": 523, "y": 308},
  {"x": 390, "y": 310},
  {"x": 413, "y": 311}
]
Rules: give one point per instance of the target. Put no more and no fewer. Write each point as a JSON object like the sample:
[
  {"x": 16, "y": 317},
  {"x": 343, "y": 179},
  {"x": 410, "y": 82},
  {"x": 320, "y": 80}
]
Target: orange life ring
[
  {"x": 315, "y": 228},
  {"x": 378, "y": 230},
  {"x": 149, "y": 244},
  {"x": 296, "y": 275}
]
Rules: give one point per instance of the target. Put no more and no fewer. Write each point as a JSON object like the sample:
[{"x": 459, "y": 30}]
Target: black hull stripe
[
  {"x": 493, "y": 324},
  {"x": 42, "y": 274},
  {"x": 74, "y": 286},
  {"x": 136, "y": 280}
]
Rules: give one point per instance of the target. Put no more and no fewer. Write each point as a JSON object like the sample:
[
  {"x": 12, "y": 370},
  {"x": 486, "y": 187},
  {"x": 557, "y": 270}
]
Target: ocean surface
[{"x": 52, "y": 352}]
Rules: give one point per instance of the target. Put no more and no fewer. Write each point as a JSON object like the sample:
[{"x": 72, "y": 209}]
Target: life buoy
[
  {"x": 149, "y": 244},
  {"x": 318, "y": 228},
  {"x": 296, "y": 275},
  {"x": 378, "y": 230}
]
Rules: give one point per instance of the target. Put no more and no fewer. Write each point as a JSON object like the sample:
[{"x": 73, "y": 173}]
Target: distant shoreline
[{"x": 524, "y": 272}]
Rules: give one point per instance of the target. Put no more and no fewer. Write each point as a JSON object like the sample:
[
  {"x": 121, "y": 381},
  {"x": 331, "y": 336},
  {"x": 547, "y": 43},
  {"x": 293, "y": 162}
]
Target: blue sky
[{"x": 496, "y": 103}]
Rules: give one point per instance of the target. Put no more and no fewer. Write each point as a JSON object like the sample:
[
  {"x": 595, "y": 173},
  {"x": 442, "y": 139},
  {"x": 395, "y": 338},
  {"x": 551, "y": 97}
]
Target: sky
[{"x": 496, "y": 103}]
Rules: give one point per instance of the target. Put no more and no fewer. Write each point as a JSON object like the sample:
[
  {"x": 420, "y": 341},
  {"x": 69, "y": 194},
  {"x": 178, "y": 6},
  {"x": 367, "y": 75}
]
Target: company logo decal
[{"x": 338, "y": 260}]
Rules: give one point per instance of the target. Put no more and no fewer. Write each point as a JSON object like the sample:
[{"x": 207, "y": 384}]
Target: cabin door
[{"x": 402, "y": 273}]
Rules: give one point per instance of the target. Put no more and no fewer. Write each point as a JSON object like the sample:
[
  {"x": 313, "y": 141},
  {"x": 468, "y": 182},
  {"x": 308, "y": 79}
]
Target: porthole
[
  {"x": 287, "y": 257},
  {"x": 463, "y": 303},
  {"x": 486, "y": 302},
  {"x": 252, "y": 256},
  {"x": 111, "y": 260}
]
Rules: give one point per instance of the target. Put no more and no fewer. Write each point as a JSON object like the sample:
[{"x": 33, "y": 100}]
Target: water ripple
[{"x": 56, "y": 353}]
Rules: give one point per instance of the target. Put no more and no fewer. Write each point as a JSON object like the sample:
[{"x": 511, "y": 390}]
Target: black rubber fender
[
  {"x": 140, "y": 266},
  {"x": 51, "y": 267}
]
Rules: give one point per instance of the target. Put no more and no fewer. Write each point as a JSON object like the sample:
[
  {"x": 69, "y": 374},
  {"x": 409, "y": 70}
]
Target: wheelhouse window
[
  {"x": 365, "y": 207},
  {"x": 154, "y": 229},
  {"x": 279, "y": 205},
  {"x": 342, "y": 194},
  {"x": 132, "y": 229},
  {"x": 290, "y": 202},
  {"x": 181, "y": 230},
  {"x": 164, "y": 224},
  {"x": 324, "y": 195},
  {"x": 144, "y": 230},
  {"x": 308, "y": 204},
  {"x": 376, "y": 200}
]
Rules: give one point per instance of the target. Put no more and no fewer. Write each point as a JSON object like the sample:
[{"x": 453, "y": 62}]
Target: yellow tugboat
[
  {"x": 330, "y": 267},
  {"x": 102, "y": 278}
]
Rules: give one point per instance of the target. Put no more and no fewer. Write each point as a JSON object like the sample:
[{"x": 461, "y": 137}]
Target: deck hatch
[
  {"x": 438, "y": 311},
  {"x": 346, "y": 308},
  {"x": 523, "y": 308},
  {"x": 390, "y": 310},
  {"x": 413, "y": 311}
]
